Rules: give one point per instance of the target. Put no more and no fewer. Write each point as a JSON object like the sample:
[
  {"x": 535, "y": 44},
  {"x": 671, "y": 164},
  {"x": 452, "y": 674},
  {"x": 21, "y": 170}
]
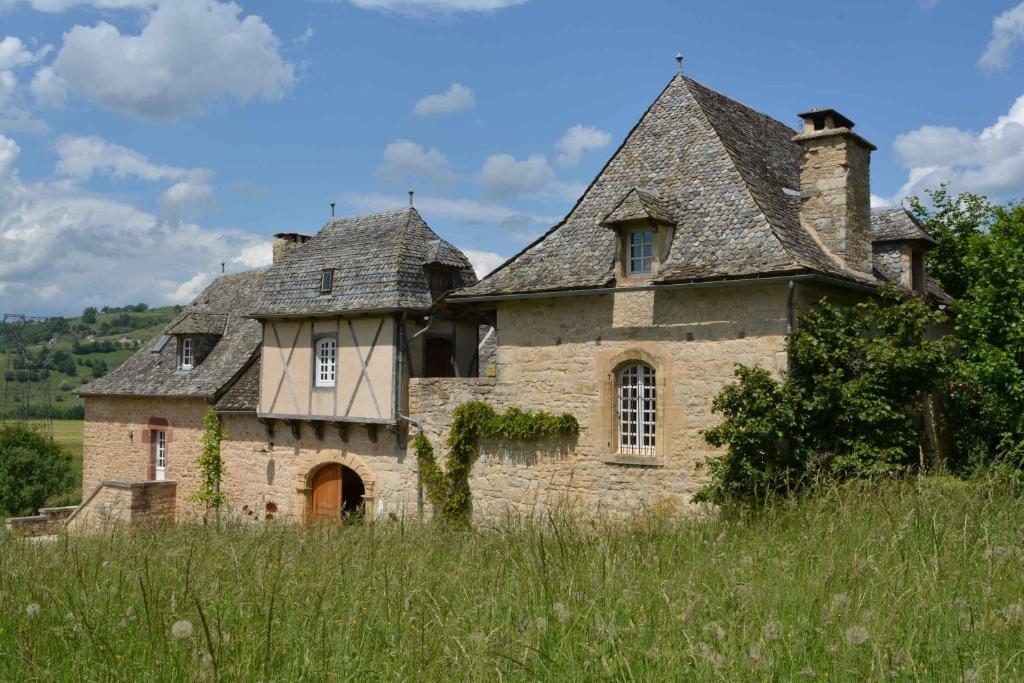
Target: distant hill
[{"x": 65, "y": 353}]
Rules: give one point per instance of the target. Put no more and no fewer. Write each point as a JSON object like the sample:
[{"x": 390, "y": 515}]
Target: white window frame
[
  {"x": 637, "y": 411},
  {"x": 159, "y": 455},
  {"x": 188, "y": 355},
  {"x": 640, "y": 257},
  {"x": 326, "y": 364}
]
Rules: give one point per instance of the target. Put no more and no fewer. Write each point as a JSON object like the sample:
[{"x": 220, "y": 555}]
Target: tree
[
  {"x": 845, "y": 408},
  {"x": 89, "y": 315},
  {"x": 33, "y": 467},
  {"x": 960, "y": 226}
]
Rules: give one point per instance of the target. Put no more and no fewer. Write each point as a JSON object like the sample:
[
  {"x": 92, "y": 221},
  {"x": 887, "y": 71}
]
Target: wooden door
[{"x": 327, "y": 492}]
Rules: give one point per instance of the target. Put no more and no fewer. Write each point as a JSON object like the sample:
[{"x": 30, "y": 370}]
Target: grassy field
[{"x": 918, "y": 581}]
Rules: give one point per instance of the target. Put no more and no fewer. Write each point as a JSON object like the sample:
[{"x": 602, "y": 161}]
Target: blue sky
[{"x": 144, "y": 142}]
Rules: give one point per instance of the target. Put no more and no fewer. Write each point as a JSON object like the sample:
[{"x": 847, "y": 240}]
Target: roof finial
[
  {"x": 332, "y": 209},
  {"x": 411, "y": 193},
  {"x": 679, "y": 60}
]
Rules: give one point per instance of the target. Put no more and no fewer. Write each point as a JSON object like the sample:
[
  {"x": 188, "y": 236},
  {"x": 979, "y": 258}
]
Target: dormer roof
[
  {"x": 897, "y": 225},
  {"x": 197, "y": 322},
  {"x": 639, "y": 204}
]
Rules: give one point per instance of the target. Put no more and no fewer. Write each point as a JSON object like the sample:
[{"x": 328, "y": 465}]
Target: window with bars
[
  {"x": 326, "y": 361},
  {"x": 637, "y": 406},
  {"x": 188, "y": 354},
  {"x": 641, "y": 252}
]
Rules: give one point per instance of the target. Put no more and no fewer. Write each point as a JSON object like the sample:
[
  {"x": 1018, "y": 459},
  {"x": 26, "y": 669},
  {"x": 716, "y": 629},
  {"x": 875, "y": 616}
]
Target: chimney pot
[{"x": 287, "y": 242}]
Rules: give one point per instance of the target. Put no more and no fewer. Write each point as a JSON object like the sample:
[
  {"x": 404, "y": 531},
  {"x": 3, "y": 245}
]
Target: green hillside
[{"x": 64, "y": 353}]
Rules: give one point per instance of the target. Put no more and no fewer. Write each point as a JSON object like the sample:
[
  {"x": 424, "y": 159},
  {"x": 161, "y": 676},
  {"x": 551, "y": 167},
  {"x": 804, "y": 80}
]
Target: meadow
[{"x": 892, "y": 581}]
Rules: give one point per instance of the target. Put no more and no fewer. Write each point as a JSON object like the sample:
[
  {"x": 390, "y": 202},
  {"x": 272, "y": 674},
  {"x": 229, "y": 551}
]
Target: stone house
[{"x": 697, "y": 246}]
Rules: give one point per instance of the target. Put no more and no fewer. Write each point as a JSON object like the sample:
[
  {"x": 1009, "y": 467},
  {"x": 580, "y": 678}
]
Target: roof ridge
[
  {"x": 797, "y": 260},
  {"x": 590, "y": 186}
]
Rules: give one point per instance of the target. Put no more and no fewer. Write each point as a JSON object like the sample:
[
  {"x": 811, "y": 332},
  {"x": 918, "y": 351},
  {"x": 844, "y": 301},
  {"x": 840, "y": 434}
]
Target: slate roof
[
  {"x": 378, "y": 265},
  {"x": 199, "y": 323},
  {"x": 897, "y": 225},
  {"x": 726, "y": 175},
  {"x": 149, "y": 373},
  {"x": 243, "y": 394}
]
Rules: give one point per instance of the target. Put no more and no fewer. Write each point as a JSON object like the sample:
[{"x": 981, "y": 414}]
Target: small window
[
  {"x": 326, "y": 362},
  {"x": 641, "y": 252},
  {"x": 326, "y": 280},
  {"x": 159, "y": 455},
  {"x": 188, "y": 354},
  {"x": 917, "y": 272},
  {"x": 637, "y": 409}
]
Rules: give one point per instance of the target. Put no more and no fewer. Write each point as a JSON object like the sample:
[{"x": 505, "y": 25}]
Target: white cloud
[
  {"x": 580, "y": 139},
  {"x": 81, "y": 157},
  {"x": 14, "y": 54},
  {"x": 62, "y": 5},
  {"x": 483, "y": 261},
  {"x": 48, "y": 88},
  {"x": 189, "y": 54},
  {"x": 83, "y": 249},
  {"x": 990, "y": 162},
  {"x": 192, "y": 194},
  {"x": 14, "y": 115},
  {"x": 420, "y": 7},
  {"x": 1007, "y": 33},
  {"x": 405, "y": 161},
  {"x": 302, "y": 40},
  {"x": 503, "y": 177},
  {"x": 456, "y": 98}
]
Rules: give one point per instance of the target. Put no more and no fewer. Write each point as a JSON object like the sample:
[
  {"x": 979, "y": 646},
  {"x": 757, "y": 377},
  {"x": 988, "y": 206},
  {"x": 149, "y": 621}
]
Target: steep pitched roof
[
  {"x": 725, "y": 173},
  {"x": 155, "y": 373},
  {"x": 199, "y": 323},
  {"x": 377, "y": 261},
  {"x": 897, "y": 225},
  {"x": 242, "y": 395}
]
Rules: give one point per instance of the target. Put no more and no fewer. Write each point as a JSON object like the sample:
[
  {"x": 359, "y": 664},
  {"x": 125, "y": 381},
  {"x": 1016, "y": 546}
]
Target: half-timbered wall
[{"x": 364, "y": 390}]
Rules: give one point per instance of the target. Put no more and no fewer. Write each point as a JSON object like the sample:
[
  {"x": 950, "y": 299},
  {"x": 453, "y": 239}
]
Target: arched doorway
[{"x": 337, "y": 493}]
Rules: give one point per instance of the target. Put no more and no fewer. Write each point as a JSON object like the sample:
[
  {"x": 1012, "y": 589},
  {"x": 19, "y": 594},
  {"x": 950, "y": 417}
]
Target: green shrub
[
  {"x": 845, "y": 409},
  {"x": 33, "y": 467}
]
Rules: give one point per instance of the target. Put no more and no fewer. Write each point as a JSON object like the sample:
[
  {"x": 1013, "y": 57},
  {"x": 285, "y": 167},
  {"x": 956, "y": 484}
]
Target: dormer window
[
  {"x": 641, "y": 252},
  {"x": 188, "y": 354},
  {"x": 326, "y": 280}
]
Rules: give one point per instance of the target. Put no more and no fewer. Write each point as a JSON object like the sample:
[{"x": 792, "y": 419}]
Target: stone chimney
[
  {"x": 287, "y": 242},
  {"x": 835, "y": 186}
]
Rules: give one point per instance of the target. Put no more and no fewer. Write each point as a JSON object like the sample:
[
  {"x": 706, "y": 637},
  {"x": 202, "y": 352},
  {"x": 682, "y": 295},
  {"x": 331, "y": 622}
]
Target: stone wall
[
  {"x": 115, "y": 448},
  {"x": 130, "y": 504},
  {"x": 48, "y": 522},
  {"x": 561, "y": 355}
]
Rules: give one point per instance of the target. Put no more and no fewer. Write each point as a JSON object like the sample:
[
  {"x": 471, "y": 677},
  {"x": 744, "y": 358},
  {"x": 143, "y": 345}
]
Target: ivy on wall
[
  {"x": 448, "y": 488},
  {"x": 211, "y": 466}
]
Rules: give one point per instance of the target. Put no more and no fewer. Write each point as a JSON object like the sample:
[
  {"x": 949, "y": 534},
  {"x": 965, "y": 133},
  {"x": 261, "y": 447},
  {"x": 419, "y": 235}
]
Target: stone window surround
[
  {"x": 606, "y": 420},
  {"x": 156, "y": 424},
  {"x": 662, "y": 236}
]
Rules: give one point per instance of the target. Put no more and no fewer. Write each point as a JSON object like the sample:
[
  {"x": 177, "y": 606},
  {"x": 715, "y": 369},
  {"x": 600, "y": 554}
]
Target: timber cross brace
[{"x": 296, "y": 380}]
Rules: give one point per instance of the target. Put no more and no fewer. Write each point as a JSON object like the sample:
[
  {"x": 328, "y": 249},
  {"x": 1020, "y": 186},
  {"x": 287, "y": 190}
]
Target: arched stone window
[{"x": 637, "y": 409}]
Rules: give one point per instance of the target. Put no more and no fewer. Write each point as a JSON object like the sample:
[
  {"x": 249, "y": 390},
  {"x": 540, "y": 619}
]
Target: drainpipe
[
  {"x": 788, "y": 316},
  {"x": 413, "y": 422}
]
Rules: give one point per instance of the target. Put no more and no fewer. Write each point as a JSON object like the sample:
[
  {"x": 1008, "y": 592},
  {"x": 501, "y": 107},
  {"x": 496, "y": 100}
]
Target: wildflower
[
  {"x": 807, "y": 673},
  {"x": 129, "y": 613},
  {"x": 832, "y": 648},
  {"x": 839, "y": 600},
  {"x": 857, "y": 635},
  {"x": 69, "y": 617},
  {"x": 971, "y": 676},
  {"x": 33, "y": 609},
  {"x": 182, "y": 629},
  {"x": 106, "y": 564},
  {"x": 716, "y": 630},
  {"x": 771, "y": 630},
  {"x": 710, "y": 655},
  {"x": 561, "y": 612},
  {"x": 754, "y": 657},
  {"x": 541, "y": 624},
  {"x": 1014, "y": 614}
]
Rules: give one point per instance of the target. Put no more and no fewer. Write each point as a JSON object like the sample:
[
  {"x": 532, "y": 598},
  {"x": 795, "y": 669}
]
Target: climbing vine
[
  {"x": 449, "y": 488},
  {"x": 211, "y": 467}
]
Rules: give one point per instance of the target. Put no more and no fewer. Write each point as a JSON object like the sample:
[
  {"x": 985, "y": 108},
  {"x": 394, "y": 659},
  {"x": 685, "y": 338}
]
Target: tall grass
[{"x": 905, "y": 581}]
